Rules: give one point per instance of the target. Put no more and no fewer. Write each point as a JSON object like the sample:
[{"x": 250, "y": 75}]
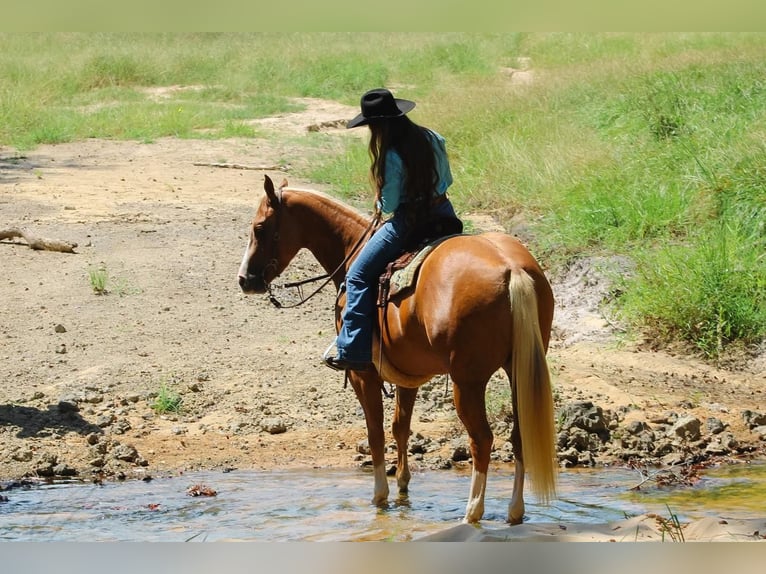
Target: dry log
[
  {"x": 38, "y": 243},
  {"x": 243, "y": 166}
]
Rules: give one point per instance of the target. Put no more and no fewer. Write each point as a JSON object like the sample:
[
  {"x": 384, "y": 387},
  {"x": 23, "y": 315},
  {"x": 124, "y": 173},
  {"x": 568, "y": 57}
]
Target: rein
[{"x": 327, "y": 277}]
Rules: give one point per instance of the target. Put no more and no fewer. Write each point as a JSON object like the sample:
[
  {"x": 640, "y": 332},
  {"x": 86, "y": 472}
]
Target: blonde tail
[{"x": 531, "y": 382}]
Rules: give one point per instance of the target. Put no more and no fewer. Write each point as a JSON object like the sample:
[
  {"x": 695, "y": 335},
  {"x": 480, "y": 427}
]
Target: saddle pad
[{"x": 405, "y": 277}]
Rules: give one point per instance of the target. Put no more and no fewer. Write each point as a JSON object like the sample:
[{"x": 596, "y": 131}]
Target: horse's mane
[{"x": 325, "y": 198}]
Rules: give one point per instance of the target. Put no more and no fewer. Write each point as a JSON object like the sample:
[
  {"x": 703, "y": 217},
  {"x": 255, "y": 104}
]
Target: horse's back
[
  {"x": 461, "y": 305},
  {"x": 485, "y": 261}
]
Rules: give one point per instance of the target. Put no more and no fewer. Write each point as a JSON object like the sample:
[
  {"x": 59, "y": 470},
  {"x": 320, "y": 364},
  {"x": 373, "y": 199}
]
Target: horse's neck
[{"x": 331, "y": 230}]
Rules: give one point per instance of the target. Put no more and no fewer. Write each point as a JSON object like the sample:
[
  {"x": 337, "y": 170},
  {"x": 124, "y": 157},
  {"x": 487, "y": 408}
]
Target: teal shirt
[{"x": 393, "y": 186}]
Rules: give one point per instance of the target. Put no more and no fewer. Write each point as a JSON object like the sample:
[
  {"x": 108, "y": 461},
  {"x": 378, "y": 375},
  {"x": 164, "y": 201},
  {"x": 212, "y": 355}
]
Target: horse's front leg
[
  {"x": 405, "y": 400},
  {"x": 369, "y": 388}
]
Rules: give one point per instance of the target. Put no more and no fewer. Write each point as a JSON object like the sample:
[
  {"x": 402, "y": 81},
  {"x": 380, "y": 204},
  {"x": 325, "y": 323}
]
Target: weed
[
  {"x": 670, "y": 526},
  {"x": 167, "y": 400},
  {"x": 98, "y": 277}
]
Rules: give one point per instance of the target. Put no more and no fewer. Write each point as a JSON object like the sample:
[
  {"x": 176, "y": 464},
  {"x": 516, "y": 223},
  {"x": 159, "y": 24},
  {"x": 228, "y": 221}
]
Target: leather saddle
[{"x": 401, "y": 274}]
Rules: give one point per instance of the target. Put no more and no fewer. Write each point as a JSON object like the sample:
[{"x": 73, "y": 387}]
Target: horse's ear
[{"x": 268, "y": 187}]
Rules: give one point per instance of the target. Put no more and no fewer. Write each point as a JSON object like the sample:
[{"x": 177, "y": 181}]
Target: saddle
[{"x": 401, "y": 274}]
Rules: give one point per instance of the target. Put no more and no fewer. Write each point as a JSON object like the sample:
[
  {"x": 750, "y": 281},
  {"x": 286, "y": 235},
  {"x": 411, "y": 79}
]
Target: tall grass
[{"x": 650, "y": 145}]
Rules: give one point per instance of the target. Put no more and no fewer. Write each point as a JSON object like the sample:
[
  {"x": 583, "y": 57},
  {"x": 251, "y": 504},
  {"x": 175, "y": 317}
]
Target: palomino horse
[{"x": 481, "y": 303}]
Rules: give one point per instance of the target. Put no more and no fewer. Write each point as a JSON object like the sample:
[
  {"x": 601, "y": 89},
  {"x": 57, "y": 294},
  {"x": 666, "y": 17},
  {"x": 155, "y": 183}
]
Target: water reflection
[{"x": 333, "y": 505}]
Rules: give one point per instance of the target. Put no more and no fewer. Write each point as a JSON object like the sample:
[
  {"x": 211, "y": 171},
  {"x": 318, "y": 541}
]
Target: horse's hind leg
[
  {"x": 516, "y": 506},
  {"x": 470, "y": 406},
  {"x": 405, "y": 400}
]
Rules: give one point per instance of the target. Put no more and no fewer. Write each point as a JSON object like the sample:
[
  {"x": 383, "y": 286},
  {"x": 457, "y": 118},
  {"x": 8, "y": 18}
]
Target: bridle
[{"x": 327, "y": 277}]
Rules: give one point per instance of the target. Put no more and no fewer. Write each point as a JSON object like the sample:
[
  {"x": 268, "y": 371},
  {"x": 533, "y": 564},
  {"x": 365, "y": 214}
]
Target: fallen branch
[
  {"x": 242, "y": 166},
  {"x": 38, "y": 243}
]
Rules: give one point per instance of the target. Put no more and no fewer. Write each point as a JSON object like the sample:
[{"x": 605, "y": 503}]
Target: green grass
[
  {"x": 98, "y": 278},
  {"x": 167, "y": 400},
  {"x": 648, "y": 145}
]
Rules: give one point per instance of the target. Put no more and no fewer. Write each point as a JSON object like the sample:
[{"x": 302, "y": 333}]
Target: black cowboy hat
[{"x": 380, "y": 104}]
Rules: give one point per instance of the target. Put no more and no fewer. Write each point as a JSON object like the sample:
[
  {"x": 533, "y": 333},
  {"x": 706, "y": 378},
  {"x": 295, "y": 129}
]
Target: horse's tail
[{"x": 531, "y": 383}]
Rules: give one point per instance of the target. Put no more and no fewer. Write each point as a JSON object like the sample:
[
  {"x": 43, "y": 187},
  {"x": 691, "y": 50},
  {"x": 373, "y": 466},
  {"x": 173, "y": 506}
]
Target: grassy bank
[{"x": 650, "y": 146}]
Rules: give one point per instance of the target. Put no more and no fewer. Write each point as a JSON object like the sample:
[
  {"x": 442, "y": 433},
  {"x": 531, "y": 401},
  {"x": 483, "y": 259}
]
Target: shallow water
[{"x": 333, "y": 505}]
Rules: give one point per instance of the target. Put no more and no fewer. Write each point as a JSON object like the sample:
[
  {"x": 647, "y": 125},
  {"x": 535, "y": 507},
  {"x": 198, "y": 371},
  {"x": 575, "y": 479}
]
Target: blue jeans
[{"x": 354, "y": 340}]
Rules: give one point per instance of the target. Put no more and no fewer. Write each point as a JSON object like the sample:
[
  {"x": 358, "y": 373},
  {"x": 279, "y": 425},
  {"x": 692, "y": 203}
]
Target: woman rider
[{"x": 410, "y": 172}]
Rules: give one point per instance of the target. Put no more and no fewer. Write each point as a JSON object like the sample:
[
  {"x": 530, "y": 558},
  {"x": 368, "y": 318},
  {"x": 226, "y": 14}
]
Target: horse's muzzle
[{"x": 252, "y": 284}]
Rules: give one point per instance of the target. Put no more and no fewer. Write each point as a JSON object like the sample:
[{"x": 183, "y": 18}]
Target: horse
[{"x": 481, "y": 303}]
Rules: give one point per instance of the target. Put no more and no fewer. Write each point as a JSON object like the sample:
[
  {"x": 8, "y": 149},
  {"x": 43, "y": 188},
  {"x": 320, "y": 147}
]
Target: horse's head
[{"x": 268, "y": 250}]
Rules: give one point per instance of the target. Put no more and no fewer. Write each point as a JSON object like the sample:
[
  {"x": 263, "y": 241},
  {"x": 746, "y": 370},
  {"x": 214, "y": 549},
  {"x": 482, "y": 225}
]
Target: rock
[
  {"x": 274, "y": 425},
  {"x": 672, "y": 459},
  {"x": 636, "y": 427},
  {"x": 121, "y": 426},
  {"x": 663, "y": 447},
  {"x": 64, "y": 470},
  {"x": 105, "y": 420},
  {"x": 363, "y": 447},
  {"x": 44, "y": 466},
  {"x": 59, "y": 328},
  {"x": 753, "y": 419},
  {"x": 715, "y": 447},
  {"x": 727, "y": 439},
  {"x": 569, "y": 457},
  {"x": 460, "y": 453},
  {"x": 125, "y": 452},
  {"x": 23, "y": 455},
  {"x": 587, "y": 416},
  {"x": 714, "y": 425},
  {"x": 91, "y": 397},
  {"x": 68, "y": 405},
  {"x": 687, "y": 427},
  {"x": 586, "y": 459},
  {"x": 667, "y": 418}
]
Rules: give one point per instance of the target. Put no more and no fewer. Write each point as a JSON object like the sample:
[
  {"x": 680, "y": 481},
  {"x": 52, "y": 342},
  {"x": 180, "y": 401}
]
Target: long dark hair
[{"x": 413, "y": 144}]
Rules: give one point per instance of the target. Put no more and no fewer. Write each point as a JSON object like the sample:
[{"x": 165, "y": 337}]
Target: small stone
[
  {"x": 687, "y": 427},
  {"x": 636, "y": 427},
  {"x": 59, "y": 328},
  {"x": 714, "y": 425},
  {"x": 460, "y": 453},
  {"x": 274, "y": 425},
  {"x": 23, "y": 455},
  {"x": 125, "y": 452},
  {"x": 64, "y": 470},
  {"x": 67, "y": 406}
]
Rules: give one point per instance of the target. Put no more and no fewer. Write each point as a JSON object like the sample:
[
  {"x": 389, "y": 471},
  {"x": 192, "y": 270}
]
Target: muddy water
[{"x": 333, "y": 505}]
